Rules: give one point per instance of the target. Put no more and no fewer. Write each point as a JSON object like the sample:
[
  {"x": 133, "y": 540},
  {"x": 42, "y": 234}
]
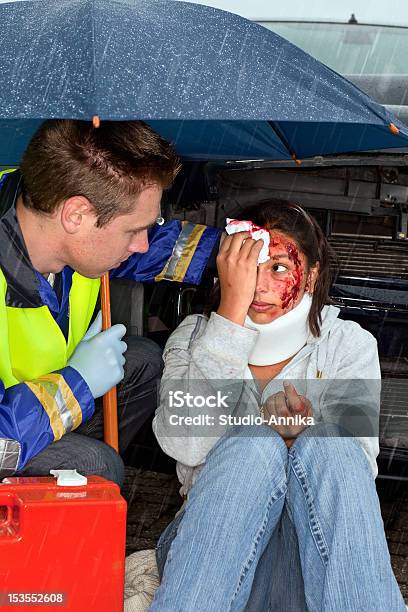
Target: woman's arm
[
  {"x": 237, "y": 262},
  {"x": 206, "y": 362},
  {"x": 206, "y": 359}
]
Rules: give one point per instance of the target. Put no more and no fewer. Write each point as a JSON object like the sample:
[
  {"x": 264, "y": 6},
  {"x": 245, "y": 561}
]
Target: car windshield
[{"x": 349, "y": 48}]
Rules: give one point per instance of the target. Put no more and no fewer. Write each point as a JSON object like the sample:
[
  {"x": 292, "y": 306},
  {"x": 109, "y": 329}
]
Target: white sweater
[{"x": 204, "y": 356}]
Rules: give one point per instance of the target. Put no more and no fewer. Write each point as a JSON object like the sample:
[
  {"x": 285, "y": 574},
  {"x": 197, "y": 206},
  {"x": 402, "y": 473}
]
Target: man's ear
[
  {"x": 312, "y": 278},
  {"x": 77, "y": 212}
]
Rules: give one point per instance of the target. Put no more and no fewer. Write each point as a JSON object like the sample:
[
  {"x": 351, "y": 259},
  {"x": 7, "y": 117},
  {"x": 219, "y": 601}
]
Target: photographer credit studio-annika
[{"x": 248, "y": 419}]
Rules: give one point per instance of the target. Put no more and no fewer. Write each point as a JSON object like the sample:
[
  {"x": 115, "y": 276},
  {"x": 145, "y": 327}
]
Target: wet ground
[{"x": 153, "y": 500}]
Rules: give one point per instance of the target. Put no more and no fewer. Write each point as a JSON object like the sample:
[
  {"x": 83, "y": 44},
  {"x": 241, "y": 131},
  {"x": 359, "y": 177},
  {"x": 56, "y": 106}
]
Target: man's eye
[{"x": 279, "y": 268}]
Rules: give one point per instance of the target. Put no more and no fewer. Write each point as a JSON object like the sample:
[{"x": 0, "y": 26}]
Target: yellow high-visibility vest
[{"x": 31, "y": 341}]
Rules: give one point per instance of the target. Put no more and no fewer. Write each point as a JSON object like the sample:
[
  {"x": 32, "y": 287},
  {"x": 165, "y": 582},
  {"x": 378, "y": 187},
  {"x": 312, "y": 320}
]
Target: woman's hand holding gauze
[
  {"x": 99, "y": 357},
  {"x": 287, "y": 404},
  {"x": 237, "y": 270}
]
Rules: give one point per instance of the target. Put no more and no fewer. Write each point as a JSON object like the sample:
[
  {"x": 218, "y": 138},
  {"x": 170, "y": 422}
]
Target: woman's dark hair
[{"x": 291, "y": 219}]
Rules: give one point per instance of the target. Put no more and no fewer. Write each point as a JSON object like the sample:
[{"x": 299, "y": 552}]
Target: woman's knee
[
  {"x": 331, "y": 447},
  {"x": 259, "y": 448}
]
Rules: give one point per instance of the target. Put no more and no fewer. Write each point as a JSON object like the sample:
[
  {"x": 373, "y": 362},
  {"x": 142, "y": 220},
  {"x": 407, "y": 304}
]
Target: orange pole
[{"x": 110, "y": 400}]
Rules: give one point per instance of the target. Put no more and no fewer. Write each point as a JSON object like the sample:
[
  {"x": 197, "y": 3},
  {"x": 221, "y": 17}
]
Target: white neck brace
[{"x": 283, "y": 337}]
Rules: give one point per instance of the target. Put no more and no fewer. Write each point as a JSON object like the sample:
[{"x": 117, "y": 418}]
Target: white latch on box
[{"x": 69, "y": 478}]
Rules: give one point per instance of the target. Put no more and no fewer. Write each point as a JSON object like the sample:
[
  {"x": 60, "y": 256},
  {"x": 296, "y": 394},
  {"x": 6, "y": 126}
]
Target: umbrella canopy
[{"x": 219, "y": 86}]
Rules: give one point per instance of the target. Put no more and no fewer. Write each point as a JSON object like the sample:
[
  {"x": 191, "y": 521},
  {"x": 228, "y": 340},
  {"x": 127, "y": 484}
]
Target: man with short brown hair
[
  {"x": 110, "y": 165},
  {"x": 82, "y": 204}
]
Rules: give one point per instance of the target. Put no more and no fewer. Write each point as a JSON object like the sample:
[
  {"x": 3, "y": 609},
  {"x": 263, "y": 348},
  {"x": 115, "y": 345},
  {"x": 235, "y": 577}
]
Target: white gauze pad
[{"x": 257, "y": 233}]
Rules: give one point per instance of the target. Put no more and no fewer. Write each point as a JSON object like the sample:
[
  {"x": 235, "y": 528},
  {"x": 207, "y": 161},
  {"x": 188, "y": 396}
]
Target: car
[{"x": 371, "y": 56}]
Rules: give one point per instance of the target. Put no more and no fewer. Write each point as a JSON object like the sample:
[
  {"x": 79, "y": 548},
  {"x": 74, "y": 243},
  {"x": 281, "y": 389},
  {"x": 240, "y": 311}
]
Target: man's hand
[
  {"x": 237, "y": 262},
  {"x": 287, "y": 403},
  {"x": 99, "y": 357}
]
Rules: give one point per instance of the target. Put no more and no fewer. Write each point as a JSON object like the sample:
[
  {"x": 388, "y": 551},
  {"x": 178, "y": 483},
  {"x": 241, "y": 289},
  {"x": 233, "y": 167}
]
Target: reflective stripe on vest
[{"x": 183, "y": 252}]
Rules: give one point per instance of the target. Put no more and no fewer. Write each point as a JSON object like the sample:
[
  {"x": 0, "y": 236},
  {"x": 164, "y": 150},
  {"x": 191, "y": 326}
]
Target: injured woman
[{"x": 270, "y": 405}]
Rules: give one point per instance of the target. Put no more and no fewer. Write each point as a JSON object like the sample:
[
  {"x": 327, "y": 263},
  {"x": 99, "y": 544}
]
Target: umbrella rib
[
  {"x": 94, "y": 112},
  {"x": 284, "y": 141}
]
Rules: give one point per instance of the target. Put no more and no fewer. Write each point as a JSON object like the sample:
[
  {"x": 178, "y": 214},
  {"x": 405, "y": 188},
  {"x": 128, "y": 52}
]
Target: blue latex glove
[{"x": 99, "y": 357}]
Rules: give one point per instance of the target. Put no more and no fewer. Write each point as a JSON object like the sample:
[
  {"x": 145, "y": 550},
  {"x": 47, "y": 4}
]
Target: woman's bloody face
[{"x": 281, "y": 281}]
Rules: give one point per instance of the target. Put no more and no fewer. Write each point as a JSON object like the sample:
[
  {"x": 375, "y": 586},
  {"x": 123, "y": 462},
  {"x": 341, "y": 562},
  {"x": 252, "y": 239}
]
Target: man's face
[
  {"x": 97, "y": 250},
  {"x": 281, "y": 280}
]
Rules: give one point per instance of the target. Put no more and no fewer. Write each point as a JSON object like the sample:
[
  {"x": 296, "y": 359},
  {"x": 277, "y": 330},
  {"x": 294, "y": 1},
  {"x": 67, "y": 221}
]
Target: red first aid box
[{"x": 61, "y": 547}]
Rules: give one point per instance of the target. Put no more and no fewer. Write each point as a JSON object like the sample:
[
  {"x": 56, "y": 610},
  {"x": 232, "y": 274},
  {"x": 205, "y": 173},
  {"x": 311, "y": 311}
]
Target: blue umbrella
[{"x": 219, "y": 86}]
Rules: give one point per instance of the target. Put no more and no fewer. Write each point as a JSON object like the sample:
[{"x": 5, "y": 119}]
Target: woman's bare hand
[
  {"x": 285, "y": 404},
  {"x": 237, "y": 262}
]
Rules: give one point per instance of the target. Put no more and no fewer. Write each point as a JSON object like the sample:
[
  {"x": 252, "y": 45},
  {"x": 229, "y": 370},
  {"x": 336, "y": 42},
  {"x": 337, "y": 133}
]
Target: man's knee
[
  {"x": 143, "y": 358},
  {"x": 102, "y": 460},
  {"x": 78, "y": 452}
]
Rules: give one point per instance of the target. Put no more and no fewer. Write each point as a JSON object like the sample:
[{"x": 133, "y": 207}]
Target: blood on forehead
[{"x": 285, "y": 244}]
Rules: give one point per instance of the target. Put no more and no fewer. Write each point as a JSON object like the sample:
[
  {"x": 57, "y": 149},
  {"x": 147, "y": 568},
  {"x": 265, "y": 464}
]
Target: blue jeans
[{"x": 265, "y": 528}]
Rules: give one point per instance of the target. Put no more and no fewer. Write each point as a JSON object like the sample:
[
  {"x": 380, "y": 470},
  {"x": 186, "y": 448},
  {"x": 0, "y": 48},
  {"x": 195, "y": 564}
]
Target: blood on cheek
[{"x": 290, "y": 285}]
